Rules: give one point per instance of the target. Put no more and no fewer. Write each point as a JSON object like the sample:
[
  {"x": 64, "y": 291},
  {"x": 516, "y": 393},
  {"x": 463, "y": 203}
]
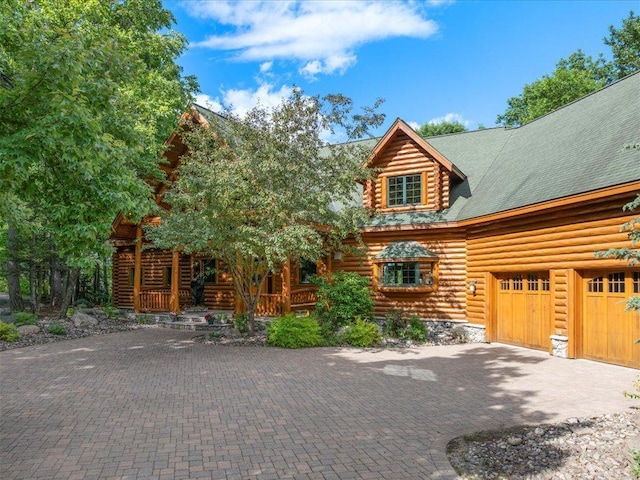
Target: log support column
[
  {"x": 137, "y": 270},
  {"x": 174, "y": 301},
  {"x": 286, "y": 286}
]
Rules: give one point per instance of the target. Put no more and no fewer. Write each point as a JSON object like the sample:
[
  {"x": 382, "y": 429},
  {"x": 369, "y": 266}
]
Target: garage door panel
[
  {"x": 523, "y": 309},
  {"x": 608, "y": 330}
]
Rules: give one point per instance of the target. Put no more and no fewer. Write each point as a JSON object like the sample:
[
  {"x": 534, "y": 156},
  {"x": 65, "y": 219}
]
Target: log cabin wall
[
  {"x": 561, "y": 242},
  {"x": 403, "y": 157},
  {"x": 447, "y": 302},
  {"x": 123, "y": 264}
]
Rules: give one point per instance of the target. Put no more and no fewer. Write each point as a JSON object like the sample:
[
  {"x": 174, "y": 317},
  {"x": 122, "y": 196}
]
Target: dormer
[{"x": 412, "y": 174}]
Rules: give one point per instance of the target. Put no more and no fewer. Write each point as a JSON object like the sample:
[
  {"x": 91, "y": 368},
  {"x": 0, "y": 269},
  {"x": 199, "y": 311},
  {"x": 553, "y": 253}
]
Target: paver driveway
[{"x": 154, "y": 404}]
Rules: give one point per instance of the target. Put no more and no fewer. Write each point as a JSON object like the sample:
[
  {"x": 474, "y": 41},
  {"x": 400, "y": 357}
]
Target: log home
[{"x": 493, "y": 229}]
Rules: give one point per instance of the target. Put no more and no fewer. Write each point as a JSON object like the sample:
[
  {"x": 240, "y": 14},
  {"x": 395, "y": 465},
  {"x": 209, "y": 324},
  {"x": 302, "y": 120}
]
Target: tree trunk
[
  {"x": 72, "y": 280},
  {"x": 33, "y": 280},
  {"x": 56, "y": 280},
  {"x": 105, "y": 279},
  {"x": 13, "y": 270}
]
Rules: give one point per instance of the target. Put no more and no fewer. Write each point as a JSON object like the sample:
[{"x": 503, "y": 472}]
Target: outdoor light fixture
[
  {"x": 472, "y": 287},
  {"x": 337, "y": 256}
]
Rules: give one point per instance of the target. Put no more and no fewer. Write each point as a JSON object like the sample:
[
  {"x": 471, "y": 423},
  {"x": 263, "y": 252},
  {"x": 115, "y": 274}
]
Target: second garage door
[
  {"x": 608, "y": 329},
  {"x": 523, "y": 309}
]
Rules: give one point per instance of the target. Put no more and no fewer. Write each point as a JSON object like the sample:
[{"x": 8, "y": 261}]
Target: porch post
[
  {"x": 174, "y": 301},
  {"x": 137, "y": 269},
  {"x": 286, "y": 286}
]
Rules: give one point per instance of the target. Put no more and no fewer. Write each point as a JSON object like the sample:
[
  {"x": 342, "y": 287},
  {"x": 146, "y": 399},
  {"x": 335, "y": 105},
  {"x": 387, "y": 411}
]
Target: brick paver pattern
[{"x": 155, "y": 404}]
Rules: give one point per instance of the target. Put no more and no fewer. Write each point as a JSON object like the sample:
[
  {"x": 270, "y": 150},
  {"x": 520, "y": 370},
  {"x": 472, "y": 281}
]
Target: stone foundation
[
  {"x": 475, "y": 333},
  {"x": 559, "y": 346}
]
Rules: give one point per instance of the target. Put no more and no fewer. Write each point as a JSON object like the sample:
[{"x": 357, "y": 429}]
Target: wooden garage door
[
  {"x": 608, "y": 331},
  {"x": 523, "y": 309}
]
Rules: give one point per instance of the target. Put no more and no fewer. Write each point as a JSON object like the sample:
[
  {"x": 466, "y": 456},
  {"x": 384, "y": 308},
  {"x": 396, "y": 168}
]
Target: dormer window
[{"x": 404, "y": 190}]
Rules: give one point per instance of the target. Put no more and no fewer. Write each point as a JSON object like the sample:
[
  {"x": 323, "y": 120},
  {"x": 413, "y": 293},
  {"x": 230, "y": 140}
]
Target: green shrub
[
  {"x": 635, "y": 464},
  {"x": 241, "y": 322},
  {"x": 57, "y": 329},
  {"x": 395, "y": 323},
  {"x": 416, "y": 330},
  {"x": 343, "y": 299},
  {"x": 362, "y": 334},
  {"x": 9, "y": 332},
  {"x": 111, "y": 311},
  {"x": 398, "y": 326},
  {"x": 25, "y": 318},
  {"x": 294, "y": 332}
]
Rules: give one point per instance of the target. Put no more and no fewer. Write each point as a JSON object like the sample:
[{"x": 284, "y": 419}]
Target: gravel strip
[{"x": 579, "y": 448}]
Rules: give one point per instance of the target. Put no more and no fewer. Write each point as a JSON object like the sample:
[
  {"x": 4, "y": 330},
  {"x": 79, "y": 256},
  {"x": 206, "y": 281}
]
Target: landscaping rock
[
  {"x": 584, "y": 448},
  {"x": 29, "y": 329},
  {"x": 81, "y": 319}
]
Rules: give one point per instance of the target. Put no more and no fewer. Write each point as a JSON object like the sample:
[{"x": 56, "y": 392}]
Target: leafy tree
[
  {"x": 432, "y": 129},
  {"x": 573, "y": 78},
  {"x": 257, "y": 190},
  {"x": 89, "y": 89},
  {"x": 630, "y": 254},
  {"x": 577, "y": 76},
  {"x": 625, "y": 46}
]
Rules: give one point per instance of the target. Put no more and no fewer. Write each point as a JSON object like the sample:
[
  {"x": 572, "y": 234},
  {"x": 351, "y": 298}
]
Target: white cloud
[
  {"x": 240, "y": 101},
  {"x": 208, "y": 102},
  {"x": 414, "y": 125},
  {"x": 265, "y": 67},
  {"x": 450, "y": 117},
  {"x": 322, "y": 35}
]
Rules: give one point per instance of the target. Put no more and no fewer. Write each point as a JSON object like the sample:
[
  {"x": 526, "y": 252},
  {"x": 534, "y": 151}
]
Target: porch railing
[
  {"x": 305, "y": 297},
  {"x": 269, "y": 305},
  {"x": 158, "y": 300}
]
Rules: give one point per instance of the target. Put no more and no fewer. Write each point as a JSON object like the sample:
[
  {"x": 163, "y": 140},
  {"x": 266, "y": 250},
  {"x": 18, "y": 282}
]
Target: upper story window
[{"x": 404, "y": 190}]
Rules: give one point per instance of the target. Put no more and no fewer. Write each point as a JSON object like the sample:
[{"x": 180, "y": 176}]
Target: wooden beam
[
  {"x": 174, "y": 301},
  {"x": 137, "y": 270},
  {"x": 286, "y": 286}
]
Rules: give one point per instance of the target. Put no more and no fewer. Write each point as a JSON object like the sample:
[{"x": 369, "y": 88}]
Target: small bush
[
  {"x": 9, "y": 332},
  {"x": 241, "y": 322},
  {"x": 294, "y": 332},
  {"x": 362, "y": 334},
  {"x": 57, "y": 329},
  {"x": 343, "y": 298},
  {"x": 111, "y": 311},
  {"x": 395, "y": 323},
  {"x": 416, "y": 330},
  {"x": 398, "y": 326},
  {"x": 25, "y": 318},
  {"x": 635, "y": 464}
]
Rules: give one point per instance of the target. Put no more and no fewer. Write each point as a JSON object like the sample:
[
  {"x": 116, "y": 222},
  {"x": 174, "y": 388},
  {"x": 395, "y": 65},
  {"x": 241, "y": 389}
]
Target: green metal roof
[{"x": 404, "y": 250}]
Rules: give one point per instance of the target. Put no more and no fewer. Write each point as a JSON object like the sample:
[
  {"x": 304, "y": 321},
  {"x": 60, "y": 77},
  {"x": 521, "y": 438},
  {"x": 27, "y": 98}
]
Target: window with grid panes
[
  {"x": 405, "y": 190},
  {"x": 616, "y": 282},
  {"x": 400, "y": 274}
]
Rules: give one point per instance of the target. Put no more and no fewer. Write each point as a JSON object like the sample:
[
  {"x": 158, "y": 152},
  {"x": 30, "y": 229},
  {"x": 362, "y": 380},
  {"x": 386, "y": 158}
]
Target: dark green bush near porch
[
  {"x": 294, "y": 332},
  {"x": 399, "y": 326},
  {"x": 343, "y": 299},
  {"x": 362, "y": 334}
]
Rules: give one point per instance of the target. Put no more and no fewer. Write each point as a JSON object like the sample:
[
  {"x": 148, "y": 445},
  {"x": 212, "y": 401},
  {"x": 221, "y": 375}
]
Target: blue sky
[{"x": 429, "y": 60}]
